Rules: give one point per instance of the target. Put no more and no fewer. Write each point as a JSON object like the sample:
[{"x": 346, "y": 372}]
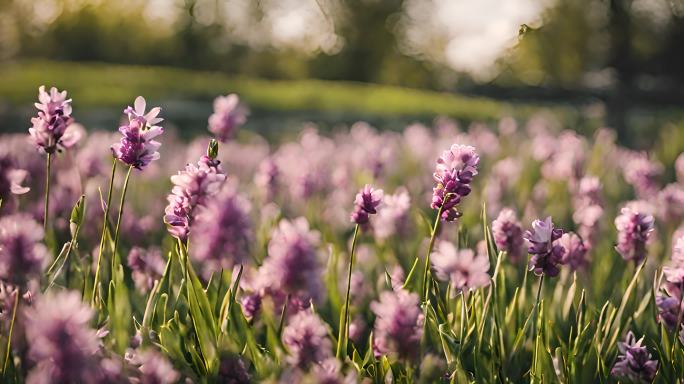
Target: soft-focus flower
[
  {"x": 266, "y": 178},
  {"x": 251, "y": 305},
  {"x": 306, "y": 340},
  {"x": 22, "y": 255},
  {"x": 575, "y": 250},
  {"x": 228, "y": 115},
  {"x": 222, "y": 232},
  {"x": 670, "y": 203},
  {"x": 634, "y": 230},
  {"x": 393, "y": 215},
  {"x": 54, "y": 117},
  {"x": 366, "y": 203},
  {"x": 643, "y": 174},
  {"x": 292, "y": 266},
  {"x": 63, "y": 346},
  {"x": 154, "y": 368},
  {"x": 147, "y": 265},
  {"x": 137, "y": 147},
  {"x": 454, "y": 171},
  {"x": 545, "y": 255},
  {"x": 329, "y": 371},
  {"x": 508, "y": 234},
  {"x": 232, "y": 370},
  {"x": 634, "y": 361},
  {"x": 192, "y": 187},
  {"x": 398, "y": 324},
  {"x": 679, "y": 167},
  {"x": 462, "y": 267},
  {"x": 11, "y": 181},
  {"x": 588, "y": 205}
]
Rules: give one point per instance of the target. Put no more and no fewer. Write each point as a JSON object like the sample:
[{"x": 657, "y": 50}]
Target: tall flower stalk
[{"x": 105, "y": 224}]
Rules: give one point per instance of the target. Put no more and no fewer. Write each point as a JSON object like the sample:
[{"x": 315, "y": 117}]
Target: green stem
[
  {"x": 281, "y": 324},
  {"x": 344, "y": 327},
  {"x": 537, "y": 335},
  {"x": 105, "y": 224},
  {"x": 121, "y": 207},
  {"x": 433, "y": 235},
  {"x": 47, "y": 191},
  {"x": 8, "y": 352}
]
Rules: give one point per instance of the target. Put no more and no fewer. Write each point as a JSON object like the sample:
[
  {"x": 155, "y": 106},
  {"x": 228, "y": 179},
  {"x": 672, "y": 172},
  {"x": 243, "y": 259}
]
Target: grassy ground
[{"x": 95, "y": 85}]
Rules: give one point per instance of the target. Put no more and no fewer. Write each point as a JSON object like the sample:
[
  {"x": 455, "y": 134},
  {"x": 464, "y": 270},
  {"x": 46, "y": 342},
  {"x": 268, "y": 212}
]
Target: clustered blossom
[
  {"x": 634, "y": 230},
  {"x": 191, "y": 189},
  {"x": 22, "y": 254},
  {"x": 49, "y": 130},
  {"x": 398, "y": 324},
  {"x": 575, "y": 250},
  {"x": 393, "y": 216},
  {"x": 545, "y": 255},
  {"x": 292, "y": 266},
  {"x": 508, "y": 234},
  {"x": 306, "y": 340},
  {"x": 137, "y": 147},
  {"x": 232, "y": 370},
  {"x": 670, "y": 203},
  {"x": 147, "y": 265},
  {"x": 588, "y": 209},
  {"x": 669, "y": 301},
  {"x": 222, "y": 232},
  {"x": 366, "y": 203},
  {"x": 266, "y": 178},
  {"x": 643, "y": 174},
  {"x": 462, "y": 268},
  {"x": 228, "y": 115},
  {"x": 63, "y": 346},
  {"x": 454, "y": 172},
  {"x": 634, "y": 361},
  {"x": 154, "y": 368}
]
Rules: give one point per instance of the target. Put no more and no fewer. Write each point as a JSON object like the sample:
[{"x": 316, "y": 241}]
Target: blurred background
[{"x": 585, "y": 63}]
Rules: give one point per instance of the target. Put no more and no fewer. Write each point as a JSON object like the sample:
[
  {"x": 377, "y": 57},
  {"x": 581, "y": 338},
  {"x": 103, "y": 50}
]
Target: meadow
[{"x": 511, "y": 249}]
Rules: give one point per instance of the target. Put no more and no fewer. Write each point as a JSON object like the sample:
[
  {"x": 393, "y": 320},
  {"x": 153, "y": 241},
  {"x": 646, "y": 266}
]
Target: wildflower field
[{"x": 512, "y": 252}]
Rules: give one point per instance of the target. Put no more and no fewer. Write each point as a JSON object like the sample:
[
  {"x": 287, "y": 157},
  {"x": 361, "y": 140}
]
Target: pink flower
[
  {"x": 508, "y": 234},
  {"x": 137, "y": 147},
  {"x": 454, "y": 172},
  {"x": 49, "y": 128},
  {"x": 462, "y": 267},
  {"x": 366, "y": 203},
  {"x": 398, "y": 324},
  {"x": 634, "y": 231},
  {"x": 227, "y": 117}
]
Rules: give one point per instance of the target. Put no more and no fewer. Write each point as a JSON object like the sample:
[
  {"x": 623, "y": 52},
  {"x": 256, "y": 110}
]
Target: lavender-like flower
[
  {"x": 634, "y": 361},
  {"x": 643, "y": 174},
  {"x": 393, "y": 216},
  {"x": 398, "y": 324},
  {"x": 22, "y": 255},
  {"x": 588, "y": 204},
  {"x": 222, "y": 232},
  {"x": 575, "y": 250},
  {"x": 306, "y": 339},
  {"x": 266, "y": 178},
  {"x": 366, "y": 203},
  {"x": 192, "y": 187},
  {"x": 669, "y": 303},
  {"x": 136, "y": 148},
  {"x": 454, "y": 172},
  {"x": 292, "y": 267},
  {"x": 49, "y": 130},
  {"x": 670, "y": 203},
  {"x": 63, "y": 346},
  {"x": 462, "y": 267},
  {"x": 228, "y": 115},
  {"x": 154, "y": 368},
  {"x": 232, "y": 370},
  {"x": 146, "y": 266},
  {"x": 508, "y": 234},
  {"x": 634, "y": 230},
  {"x": 545, "y": 255}
]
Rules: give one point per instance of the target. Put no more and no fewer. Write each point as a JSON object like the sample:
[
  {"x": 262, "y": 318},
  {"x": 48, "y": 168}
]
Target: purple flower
[
  {"x": 292, "y": 266},
  {"x": 634, "y": 361},
  {"x": 153, "y": 368},
  {"x": 366, "y": 203},
  {"x": 679, "y": 167},
  {"x": 393, "y": 216},
  {"x": 670, "y": 203},
  {"x": 137, "y": 148},
  {"x": 398, "y": 324},
  {"x": 228, "y": 115},
  {"x": 63, "y": 346},
  {"x": 575, "y": 250},
  {"x": 251, "y": 305},
  {"x": 545, "y": 255},
  {"x": 222, "y": 232},
  {"x": 588, "y": 205},
  {"x": 306, "y": 340},
  {"x": 462, "y": 268},
  {"x": 147, "y": 266},
  {"x": 634, "y": 230},
  {"x": 669, "y": 308},
  {"x": 329, "y": 371},
  {"x": 454, "y": 171},
  {"x": 643, "y": 174},
  {"x": 508, "y": 234},
  {"x": 266, "y": 178},
  {"x": 232, "y": 370},
  {"x": 22, "y": 255},
  {"x": 192, "y": 187},
  {"x": 49, "y": 130}
]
